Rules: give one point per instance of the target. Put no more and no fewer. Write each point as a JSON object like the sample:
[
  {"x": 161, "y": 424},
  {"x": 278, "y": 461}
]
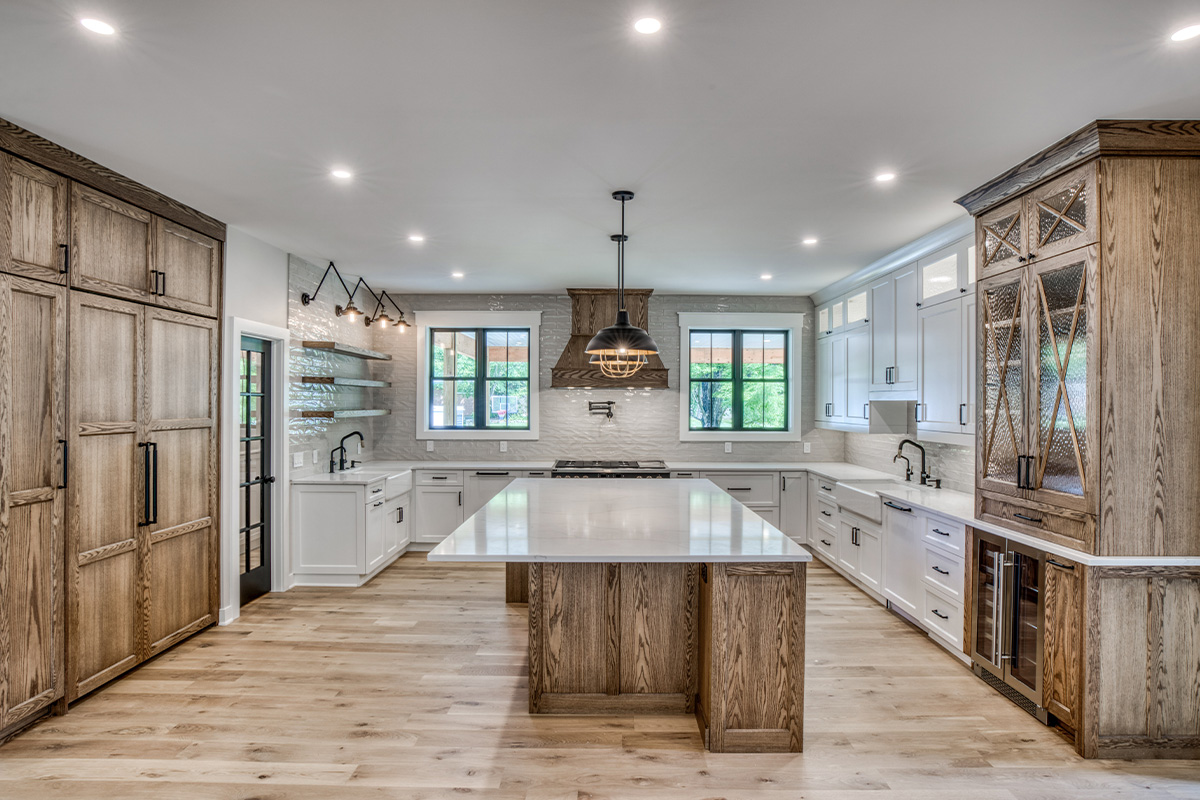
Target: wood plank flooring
[{"x": 414, "y": 687}]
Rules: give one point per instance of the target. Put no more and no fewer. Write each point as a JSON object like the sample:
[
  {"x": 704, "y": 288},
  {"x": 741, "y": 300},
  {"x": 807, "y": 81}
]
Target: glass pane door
[
  {"x": 1003, "y": 381},
  {"x": 1025, "y": 636},
  {"x": 989, "y": 602},
  {"x": 255, "y": 468}
]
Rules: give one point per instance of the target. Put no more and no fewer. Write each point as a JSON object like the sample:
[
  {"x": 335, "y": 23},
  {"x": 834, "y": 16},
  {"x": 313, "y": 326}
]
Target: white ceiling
[{"x": 498, "y": 128}]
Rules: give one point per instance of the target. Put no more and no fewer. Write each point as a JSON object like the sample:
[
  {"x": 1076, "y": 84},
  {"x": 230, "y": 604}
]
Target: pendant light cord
[{"x": 621, "y": 262}]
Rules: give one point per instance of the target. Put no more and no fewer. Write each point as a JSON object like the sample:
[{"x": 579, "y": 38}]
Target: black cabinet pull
[
  {"x": 1021, "y": 472},
  {"x": 1059, "y": 564},
  {"x": 961, "y": 408},
  {"x": 936, "y": 614},
  {"x": 827, "y": 488},
  {"x": 1036, "y": 520},
  {"x": 66, "y": 259},
  {"x": 1030, "y": 256},
  {"x": 1020, "y": 259},
  {"x": 890, "y": 504},
  {"x": 826, "y": 513},
  {"x": 399, "y": 515},
  {"x": 154, "y": 462},
  {"x": 941, "y": 533},
  {"x": 440, "y": 477},
  {"x": 916, "y": 412},
  {"x": 460, "y": 498},
  {"x": 497, "y": 474},
  {"x": 66, "y": 461},
  {"x": 1029, "y": 466},
  {"x": 939, "y": 570},
  {"x": 827, "y": 544},
  {"x": 738, "y": 489},
  {"x": 163, "y": 291},
  {"x": 145, "y": 484}
]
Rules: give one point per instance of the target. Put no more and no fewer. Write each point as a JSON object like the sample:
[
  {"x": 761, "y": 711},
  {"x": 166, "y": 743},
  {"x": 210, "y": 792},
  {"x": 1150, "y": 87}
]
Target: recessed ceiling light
[
  {"x": 766, "y": 276},
  {"x": 416, "y": 237},
  {"x": 810, "y": 240},
  {"x": 456, "y": 274},
  {"x": 647, "y": 25},
  {"x": 884, "y": 177},
  {"x": 1183, "y": 34},
  {"x": 98, "y": 26},
  {"x": 343, "y": 174}
]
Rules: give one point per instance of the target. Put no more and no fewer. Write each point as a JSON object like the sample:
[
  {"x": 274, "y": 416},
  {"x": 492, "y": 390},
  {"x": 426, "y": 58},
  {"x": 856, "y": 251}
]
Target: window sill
[
  {"x": 740, "y": 436},
  {"x": 485, "y": 435}
]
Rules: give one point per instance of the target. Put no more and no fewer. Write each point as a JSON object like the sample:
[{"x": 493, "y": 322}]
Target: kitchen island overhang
[{"x": 654, "y": 597}]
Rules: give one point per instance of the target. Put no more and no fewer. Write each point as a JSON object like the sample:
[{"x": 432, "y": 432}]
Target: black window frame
[
  {"x": 738, "y": 379},
  {"x": 480, "y": 379}
]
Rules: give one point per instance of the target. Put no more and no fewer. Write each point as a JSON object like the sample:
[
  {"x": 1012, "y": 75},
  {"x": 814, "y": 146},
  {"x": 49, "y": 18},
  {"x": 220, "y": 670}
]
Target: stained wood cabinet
[
  {"x": 34, "y": 205},
  {"x": 1062, "y": 657},
  {"x": 189, "y": 269},
  {"x": 33, "y": 320},
  {"x": 142, "y": 428}
]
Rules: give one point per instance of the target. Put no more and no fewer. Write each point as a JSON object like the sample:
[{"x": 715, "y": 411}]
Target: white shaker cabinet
[
  {"x": 946, "y": 403},
  {"x": 484, "y": 484},
  {"x": 793, "y": 505},
  {"x": 894, "y": 300},
  {"x": 903, "y": 557}
]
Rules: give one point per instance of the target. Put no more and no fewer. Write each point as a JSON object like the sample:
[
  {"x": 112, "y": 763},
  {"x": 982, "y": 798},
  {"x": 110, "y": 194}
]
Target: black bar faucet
[
  {"x": 926, "y": 480},
  {"x": 340, "y": 462}
]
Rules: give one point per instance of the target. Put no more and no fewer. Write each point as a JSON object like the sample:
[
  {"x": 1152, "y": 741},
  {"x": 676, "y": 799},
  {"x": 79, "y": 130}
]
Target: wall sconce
[{"x": 379, "y": 316}]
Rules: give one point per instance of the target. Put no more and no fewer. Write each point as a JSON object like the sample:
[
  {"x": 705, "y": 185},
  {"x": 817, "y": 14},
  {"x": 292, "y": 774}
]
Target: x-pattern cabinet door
[
  {"x": 1002, "y": 421},
  {"x": 1062, "y": 214},
  {"x": 1061, "y": 334},
  {"x": 1000, "y": 238}
]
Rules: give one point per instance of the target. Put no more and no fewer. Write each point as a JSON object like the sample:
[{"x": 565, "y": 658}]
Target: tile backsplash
[{"x": 954, "y": 464}]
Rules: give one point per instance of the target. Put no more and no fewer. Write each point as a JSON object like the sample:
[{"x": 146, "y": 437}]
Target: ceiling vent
[{"x": 591, "y": 310}]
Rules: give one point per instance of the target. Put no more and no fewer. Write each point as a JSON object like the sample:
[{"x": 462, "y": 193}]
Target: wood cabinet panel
[
  {"x": 34, "y": 205},
  {"x": 190, "y": 267},
  {"x": 182, "y": 363},
  {"x": 112, "y": 245},
  {"x": 179, "y": 581},
  {"x": 1063, "y": 641},
  {"x": 105, "y": 621},
  {"x": 658, "y": 618},
  {"x": 32, "y": 527},
  {"x": 572, "y": 613}
]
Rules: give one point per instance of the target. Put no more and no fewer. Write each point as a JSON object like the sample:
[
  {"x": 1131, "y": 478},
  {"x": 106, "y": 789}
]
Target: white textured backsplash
[{"x": 954, "y": 464}]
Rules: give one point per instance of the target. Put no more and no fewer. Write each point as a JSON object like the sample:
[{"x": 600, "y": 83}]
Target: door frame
[{"x": 281, "y": 575}]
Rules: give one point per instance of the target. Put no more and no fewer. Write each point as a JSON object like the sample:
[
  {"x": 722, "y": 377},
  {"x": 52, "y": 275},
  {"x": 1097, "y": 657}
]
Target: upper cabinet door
[
  {"x": 1062, "y": 343},
  {"x": 883, "y": 333},
  {"x": 824, "y": 407},
  {"x": 941, "y": 344},
  {"x": 112, "y": 246},
  {"x": 1002, "y": 439},
  {"x": 1000, "y": 238},
  {"x": 1062, "y": 215},
  {"x": 188, "y": 268},
  {"x": 857, "y": 312},
  {"x": 908, "y": 303},
  {"x": 35, "y": 202}
]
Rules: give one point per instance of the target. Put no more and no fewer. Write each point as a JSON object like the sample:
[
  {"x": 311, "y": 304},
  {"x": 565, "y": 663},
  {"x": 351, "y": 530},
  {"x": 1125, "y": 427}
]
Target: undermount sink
[{"x": 862, "y": 498}]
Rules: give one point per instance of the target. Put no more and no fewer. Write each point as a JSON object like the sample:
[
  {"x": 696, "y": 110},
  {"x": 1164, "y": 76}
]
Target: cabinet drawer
[
  {"x": 950, "y": 536},
  {"x": 536, "y": 473},
  {"x": 825, "y": 541},
  {"x": 430, "y": 477},
  {"x": 1066, "y": 528},
  {"x": 943, "y": 617},
  {"x": 827, "y": 512},
  {"x": 375, "y": 491},
  {"x": 944, "y": 572},
  {"x": 748, "y": 487},
  {"x": 822, "y": 487}
]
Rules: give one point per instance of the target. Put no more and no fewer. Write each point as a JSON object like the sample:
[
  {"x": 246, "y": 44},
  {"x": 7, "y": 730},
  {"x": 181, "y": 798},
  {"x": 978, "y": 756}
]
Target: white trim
[
  {"x": 793, "y": 323},
  {"x": 477, "y": 319},
  {"x": 280, "y": 551}
]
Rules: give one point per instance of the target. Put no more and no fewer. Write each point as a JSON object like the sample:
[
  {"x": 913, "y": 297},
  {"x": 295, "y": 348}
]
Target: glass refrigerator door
[
  {"x": 1025, "y": 636},
  {"x": 989, "y": 604}
]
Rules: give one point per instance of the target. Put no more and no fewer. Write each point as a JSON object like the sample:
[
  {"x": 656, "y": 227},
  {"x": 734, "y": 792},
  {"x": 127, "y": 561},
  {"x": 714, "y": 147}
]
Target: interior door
[
  {"x": 181, "y": 404},
  {"x": 111, "y": 245},
  {"x": 1065, "y": 367},
  {"x": 33, "y": 327},
  {"x": 105, "y": 489},
  {"x": 189, "y": 269},
  {"x": 1002, "y": 447},
  {"x": 35, "y": 201},
  {"x": 257, "y": 477}
]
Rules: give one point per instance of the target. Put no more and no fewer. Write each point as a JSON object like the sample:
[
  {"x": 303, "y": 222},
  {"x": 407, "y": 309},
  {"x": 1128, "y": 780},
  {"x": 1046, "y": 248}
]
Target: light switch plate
[
  {"x": 808, "y": 447},
  {"x": 729, "y": 447},
  {"x": 316, "y": 455},
  {"x": 504, "y": 447},
  {"x": 297, "y": 460},
  {"x": 429, "y": 446}
]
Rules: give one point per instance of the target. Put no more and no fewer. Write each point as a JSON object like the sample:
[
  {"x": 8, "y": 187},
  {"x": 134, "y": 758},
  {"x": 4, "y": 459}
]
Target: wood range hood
[{"x": 591, "y": 310}]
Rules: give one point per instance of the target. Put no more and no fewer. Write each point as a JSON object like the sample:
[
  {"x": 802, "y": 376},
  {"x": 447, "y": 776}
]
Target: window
[
  {"x": 738, "y": 376},
  {"x": 738, "y": 381},
  {"x": 478, "y": 374},
  {"x": 478, "y": 378}
]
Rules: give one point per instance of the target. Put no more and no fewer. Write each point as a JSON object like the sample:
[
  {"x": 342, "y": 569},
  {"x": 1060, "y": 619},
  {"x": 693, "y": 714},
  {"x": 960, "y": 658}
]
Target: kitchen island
[{"x": 654, "y": 597}]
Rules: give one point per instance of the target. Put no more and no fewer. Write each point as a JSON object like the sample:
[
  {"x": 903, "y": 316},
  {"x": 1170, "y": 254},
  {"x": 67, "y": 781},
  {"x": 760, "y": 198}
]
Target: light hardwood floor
[{"x": 414, "y": 687}]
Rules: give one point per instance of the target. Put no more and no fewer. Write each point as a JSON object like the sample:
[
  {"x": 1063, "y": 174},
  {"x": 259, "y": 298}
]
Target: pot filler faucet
[
  {"x": 926, "y": 480},
  {"x": 340, "y": 462}
]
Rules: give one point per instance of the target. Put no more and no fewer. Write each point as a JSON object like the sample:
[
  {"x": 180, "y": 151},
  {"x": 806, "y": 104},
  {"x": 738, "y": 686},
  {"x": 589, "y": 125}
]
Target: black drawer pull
[
  {"x": 439, "y": 477},
  {"x": 890, "y": 504},
  {"x": 496, "y": 474},
  {"x": 827, "y": 488},
  {"x": 826, "y": 513},
  {"x": 377, "y": 491},
  {"x": 939, "y": 570},
  {"x": 827, "y": 544},
  {"x": 1036, "y": 520},
  {"x": 940, "y": 533},
  {"x": 738, "y": 489},
  {"x": 377, "y": 505},
  {"x": 936, "y": 614},
  {"x": 1059, "y": 564}
]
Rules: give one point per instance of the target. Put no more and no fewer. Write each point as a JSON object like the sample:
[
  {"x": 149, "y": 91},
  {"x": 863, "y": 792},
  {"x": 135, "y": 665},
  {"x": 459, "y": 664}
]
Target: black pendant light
[{"x": 621, "y": 349}]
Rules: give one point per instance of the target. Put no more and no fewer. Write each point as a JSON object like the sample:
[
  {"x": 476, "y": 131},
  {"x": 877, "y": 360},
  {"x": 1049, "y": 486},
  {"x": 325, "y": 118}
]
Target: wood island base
[{"x": 724, "y": 641}]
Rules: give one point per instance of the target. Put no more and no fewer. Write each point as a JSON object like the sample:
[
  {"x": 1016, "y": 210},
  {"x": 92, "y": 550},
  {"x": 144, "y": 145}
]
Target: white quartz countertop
[
  {"x": 687, "y": 520},
  {"x": 360, "y": 476}
]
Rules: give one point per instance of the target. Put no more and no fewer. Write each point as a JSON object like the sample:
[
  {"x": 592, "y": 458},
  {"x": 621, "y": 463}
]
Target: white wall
[{"x": 256, "y": 279}]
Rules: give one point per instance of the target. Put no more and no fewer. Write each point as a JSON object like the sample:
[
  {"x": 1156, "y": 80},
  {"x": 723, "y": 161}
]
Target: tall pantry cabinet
[{"x": 109, "y": 373}]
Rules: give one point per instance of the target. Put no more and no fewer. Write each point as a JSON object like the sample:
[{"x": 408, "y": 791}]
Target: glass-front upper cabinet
[
  {"x": 831, "y": 317},
  {"x": 948, "y": 273},
  {"x": 856, "y": 309}
]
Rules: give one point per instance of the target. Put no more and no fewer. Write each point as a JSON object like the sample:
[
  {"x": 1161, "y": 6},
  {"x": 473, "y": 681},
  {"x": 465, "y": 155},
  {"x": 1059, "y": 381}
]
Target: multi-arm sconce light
[{"x": 378, "y": 316}]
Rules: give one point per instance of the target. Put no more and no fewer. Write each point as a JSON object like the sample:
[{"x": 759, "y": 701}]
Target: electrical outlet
[
  {"x": 316, "y": 455},
  {"x": 729, "y": 447},
  {"x": 297, "y": 460},
  {"x": 429, "y": 446},
  {"x": 504, "y": 447},
  {"x": 808, "y": 447}
]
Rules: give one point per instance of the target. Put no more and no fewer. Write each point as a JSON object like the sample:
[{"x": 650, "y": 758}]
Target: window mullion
[
  {"x": 480, "y": 380},
  {"x": 737, "y": 380}
]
